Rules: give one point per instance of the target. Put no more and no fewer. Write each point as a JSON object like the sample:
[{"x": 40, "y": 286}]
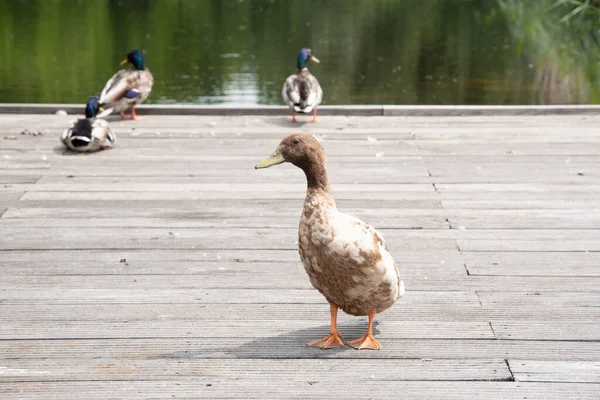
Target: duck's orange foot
[
  {"x": 365, "y": 342},
  {"x": 126, "y": 116},
  {"x": 329, "y": 342}
]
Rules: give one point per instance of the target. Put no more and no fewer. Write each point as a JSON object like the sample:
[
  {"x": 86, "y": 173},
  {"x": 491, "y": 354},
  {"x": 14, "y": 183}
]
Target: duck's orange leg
[
  {"x": 367, "y": 341},
  {"x": 134, "y": 115},
  {"x": 334, "y": 339},
  {"x": 314, "y": 115},
  {"x": 293, "y": 117}
]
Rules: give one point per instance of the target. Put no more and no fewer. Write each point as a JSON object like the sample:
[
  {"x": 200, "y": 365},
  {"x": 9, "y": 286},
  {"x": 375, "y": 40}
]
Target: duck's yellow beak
[
  {"x": 274, "y": 159},
  {"x": 315, "y": 59},
  {"x": 125, "y": 61},
  {"x": 100, "y": 109}
]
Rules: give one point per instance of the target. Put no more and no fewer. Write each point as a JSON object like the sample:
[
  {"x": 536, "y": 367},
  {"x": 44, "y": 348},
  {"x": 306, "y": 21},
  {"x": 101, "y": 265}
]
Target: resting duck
[
  {"x": 88, "y": 134},
  {"x": 346, "y": 259},
  {"x": 128, "y": 87},
  {"x": 301, "y": 91}
]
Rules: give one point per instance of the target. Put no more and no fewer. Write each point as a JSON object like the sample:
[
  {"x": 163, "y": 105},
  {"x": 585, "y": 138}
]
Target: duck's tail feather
[{"x": 105, "y": 113}]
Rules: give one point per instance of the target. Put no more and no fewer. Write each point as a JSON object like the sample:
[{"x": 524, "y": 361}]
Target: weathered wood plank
[
  {"x": 533, "y": 270},
  {"x": 174, "y": 218},
  {"x": 435, "y": 306},
  {"x": 532, "y": 258},
  {"x": 418, "y": 278},
  {"x": 555, "y": 371},
  {"x": 190, "y": 255},
  {"x": 294, "y": 347},
  {"x": 202, "y": 327},
  {"x": 546, "y": 299},
  {"x": 555, "y": 330},
  {"x": 529, "y": 245},
  {"x": 210, "y": 388},
  {"x": 300, "y": 370}
]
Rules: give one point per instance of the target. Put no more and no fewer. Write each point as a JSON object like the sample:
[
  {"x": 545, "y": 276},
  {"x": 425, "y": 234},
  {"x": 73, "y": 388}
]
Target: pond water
[{"x": 241, "y": 51}]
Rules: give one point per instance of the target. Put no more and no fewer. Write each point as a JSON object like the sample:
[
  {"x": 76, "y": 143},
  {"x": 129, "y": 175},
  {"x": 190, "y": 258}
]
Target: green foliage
[{"x": 562, "y": 40}]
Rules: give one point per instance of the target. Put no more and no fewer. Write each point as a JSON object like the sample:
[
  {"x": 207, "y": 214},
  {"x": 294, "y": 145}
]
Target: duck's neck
[{"x": 317, "y": 181}]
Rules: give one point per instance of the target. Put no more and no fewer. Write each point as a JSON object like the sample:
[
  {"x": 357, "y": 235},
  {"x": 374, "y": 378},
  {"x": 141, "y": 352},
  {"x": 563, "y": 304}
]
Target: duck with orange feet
[
  {"x": 127, "y": 88},
  {"x": 346, "y": 259},
  {"x": 301, "y": 91}
]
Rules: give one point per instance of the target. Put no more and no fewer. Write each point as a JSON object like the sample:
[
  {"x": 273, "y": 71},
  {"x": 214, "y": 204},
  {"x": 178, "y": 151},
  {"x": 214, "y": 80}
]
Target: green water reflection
[{"x": 240, "y": 51}]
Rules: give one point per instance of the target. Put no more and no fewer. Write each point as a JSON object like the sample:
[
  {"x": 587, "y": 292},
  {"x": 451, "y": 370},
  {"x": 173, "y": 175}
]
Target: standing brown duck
[{"x": 345, "y": 258}]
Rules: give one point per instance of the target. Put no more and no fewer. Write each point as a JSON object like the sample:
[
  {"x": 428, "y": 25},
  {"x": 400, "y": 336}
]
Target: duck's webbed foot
[
  {"x": 367, "y": 341},
  {"x": 334, "y": 339}
]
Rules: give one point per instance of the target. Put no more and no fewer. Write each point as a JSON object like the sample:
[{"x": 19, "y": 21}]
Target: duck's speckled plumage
[
  {"x": 128, "y": 87},
  {"x": 301, "y": 91},
  {"x": 345, "y": 258},
  {"x": 88, "y": 134}
]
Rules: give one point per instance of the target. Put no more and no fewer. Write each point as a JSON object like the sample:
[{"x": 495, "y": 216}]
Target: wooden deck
[{"x": 167, "y": 267}]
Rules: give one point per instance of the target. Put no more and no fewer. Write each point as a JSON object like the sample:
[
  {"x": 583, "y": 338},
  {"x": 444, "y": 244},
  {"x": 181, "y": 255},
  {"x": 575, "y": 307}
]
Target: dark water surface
[{"x": 240, "y": 51}]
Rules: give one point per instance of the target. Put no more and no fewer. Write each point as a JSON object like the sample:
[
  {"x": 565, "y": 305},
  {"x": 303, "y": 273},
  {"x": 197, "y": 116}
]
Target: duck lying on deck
[
  {"x": 345, "y": 258},
  {"x": 88, "y": 134}
]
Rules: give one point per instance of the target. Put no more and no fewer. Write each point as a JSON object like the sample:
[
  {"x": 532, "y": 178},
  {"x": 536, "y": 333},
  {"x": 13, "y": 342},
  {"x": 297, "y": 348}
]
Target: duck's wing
[
  {"x": 291, "y": 91},
  {"x": 116, "y": 87},
  {"x": 315, "y": 93},
  {"x": 359, "y": 243}
]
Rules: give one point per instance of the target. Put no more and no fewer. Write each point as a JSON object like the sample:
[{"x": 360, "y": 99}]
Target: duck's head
[
  {"x": 136, "y": 59},
  {"x": 304, "y": 57},
  {"x": 305, "y": 152},
  {"x": 92, "y": 107}
]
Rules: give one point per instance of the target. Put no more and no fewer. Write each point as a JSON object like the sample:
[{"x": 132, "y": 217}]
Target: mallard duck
[
  {"x": 89, "y": 133},
  {"x": 346, "y": 259},
  {"x": 128, "y": 87},
  {"x": 301, "y": 91}
]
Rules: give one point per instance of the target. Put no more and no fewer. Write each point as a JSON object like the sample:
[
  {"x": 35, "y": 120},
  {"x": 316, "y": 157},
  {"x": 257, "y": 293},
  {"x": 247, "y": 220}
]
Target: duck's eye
[{"x": 296, "y": 141}]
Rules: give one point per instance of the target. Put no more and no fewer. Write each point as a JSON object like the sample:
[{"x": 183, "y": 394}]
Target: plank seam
[
  {"x": 509, "y": 370},
  {"x": 493, "y": 332}
]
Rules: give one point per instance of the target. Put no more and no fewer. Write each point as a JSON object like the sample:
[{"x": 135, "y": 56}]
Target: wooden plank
[
  {"x": 202, "y": 327},
  {"x": 533, "y": 270},
  {"x": 541, "y": 188},
  {"x": 8, "y": 180},
  {"x": 433, "y": 306},
  {"x": 210, "y": 269},
  {"x": 529, "y": 245},
  {"x": 532, "y": 258},
  {"x": 211, "y": 255},
  {"x": 425, "y": 198},
  {"x": 290, "y": 279},
  {"x": 184, "y": 205},
  {"x": 555, "y": 371},
  {"x": 7, "y": 196},
  {"x": 283, "y": 189},
  {"x": 545, "y": 299},
  {"x": 294, "y": 347},
  {"x": 174, "y": 218},
  {"x": 555, "y": 330},
  {"x": 506, "y": 204},
  {"x": 299, "y": 370},
  {"x": 277, "y": 389},
  {"x": 140, "y": 238}
]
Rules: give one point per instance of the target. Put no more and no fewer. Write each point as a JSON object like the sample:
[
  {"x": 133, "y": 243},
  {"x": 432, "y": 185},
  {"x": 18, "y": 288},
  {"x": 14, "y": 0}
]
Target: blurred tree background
[{"x": 371, "y": 51}]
